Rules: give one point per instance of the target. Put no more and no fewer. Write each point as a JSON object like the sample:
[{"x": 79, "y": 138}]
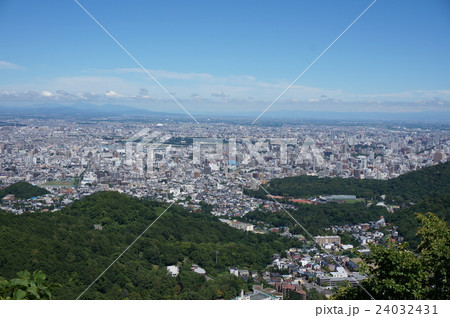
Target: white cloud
[
  {"x": 9, "y": 66},
  {"x": 112, "y": 94},
  {"x": 47, "y": 93}
]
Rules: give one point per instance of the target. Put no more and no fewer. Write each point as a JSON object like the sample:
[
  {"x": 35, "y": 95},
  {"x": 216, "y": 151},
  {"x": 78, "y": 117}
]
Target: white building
[
  {"x": 340, "y": 272},
  {"x": 173, "y": 270},
  {"x": 234, "y": 271}
]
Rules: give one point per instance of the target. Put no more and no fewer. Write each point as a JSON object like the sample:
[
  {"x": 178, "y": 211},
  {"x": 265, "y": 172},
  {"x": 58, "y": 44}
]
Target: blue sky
[{"x": 228, "y": 56}]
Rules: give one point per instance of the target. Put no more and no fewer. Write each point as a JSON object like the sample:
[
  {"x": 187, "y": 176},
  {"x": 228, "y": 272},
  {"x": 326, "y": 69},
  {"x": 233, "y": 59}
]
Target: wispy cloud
[
  {"x": 219, "y": 94},
  {"x": 168, "y": 74},
  {"x": 182, "y": 76},
  {"x": 407, "y": 95},
  {"x": 9, "y": 66}
]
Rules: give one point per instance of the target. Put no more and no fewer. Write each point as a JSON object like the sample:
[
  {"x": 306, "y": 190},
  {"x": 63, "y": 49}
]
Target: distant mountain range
[
  {"x": 92, "y": 110},
  {"x": 78, "y": 110}
]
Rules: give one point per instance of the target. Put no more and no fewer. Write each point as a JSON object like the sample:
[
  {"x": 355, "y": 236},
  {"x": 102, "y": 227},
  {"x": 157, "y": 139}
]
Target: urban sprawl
[{"x": 213, "y": 163}]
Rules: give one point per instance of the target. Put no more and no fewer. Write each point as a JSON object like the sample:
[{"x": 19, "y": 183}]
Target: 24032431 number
[{"x": 406, "y": 309}]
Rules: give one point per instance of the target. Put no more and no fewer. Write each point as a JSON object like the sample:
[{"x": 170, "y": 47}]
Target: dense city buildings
[{"x": 212, "y": 163}]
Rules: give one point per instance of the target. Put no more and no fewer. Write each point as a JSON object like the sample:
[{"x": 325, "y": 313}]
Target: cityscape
[
  {"x": 213, "y": 165},
  {"x": 73, "y": 159},
  {"x": 158, "y": 153}
]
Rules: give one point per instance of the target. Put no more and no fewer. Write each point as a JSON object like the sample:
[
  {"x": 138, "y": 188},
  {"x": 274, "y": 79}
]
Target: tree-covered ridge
[
  {"x": 66, "y": 246},
  {"x": 23, "y": 190},
  {"x": 409, "y": 187}
]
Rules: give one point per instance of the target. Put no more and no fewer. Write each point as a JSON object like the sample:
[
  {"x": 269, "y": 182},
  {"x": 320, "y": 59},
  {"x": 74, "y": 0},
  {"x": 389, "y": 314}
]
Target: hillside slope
[
  {"x": 71, "y": 252},
  {"x": 23, "y": 190}
]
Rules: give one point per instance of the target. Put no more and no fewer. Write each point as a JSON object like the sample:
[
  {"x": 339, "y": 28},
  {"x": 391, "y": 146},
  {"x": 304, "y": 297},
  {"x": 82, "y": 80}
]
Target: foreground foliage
[
  {"x": 26, "y": 286},
  {"x": 395, "y": 272}
]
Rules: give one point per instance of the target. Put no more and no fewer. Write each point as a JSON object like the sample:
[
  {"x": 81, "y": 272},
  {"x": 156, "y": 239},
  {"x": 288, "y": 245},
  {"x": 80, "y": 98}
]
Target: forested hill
[
  {"x": 71, "y": 252},
  {"x": 23, "y": 190},
  {"x": 410, "y": 187},
  {"x": 420, "y": 184},
  {"x": 421, "y": 191}
]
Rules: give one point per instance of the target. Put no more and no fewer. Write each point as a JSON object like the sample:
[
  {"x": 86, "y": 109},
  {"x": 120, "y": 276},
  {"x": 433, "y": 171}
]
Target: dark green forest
[
  {"x": 23, "y": 190},
  {"x": 409, "y": 187},
  {"x": 66, "y": 247},
  {"x": 315, "y": 218}
]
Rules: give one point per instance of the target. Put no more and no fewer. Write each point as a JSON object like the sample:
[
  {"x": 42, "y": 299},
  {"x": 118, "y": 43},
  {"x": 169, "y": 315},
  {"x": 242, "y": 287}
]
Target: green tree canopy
[{"x": 67, "y": 246}]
